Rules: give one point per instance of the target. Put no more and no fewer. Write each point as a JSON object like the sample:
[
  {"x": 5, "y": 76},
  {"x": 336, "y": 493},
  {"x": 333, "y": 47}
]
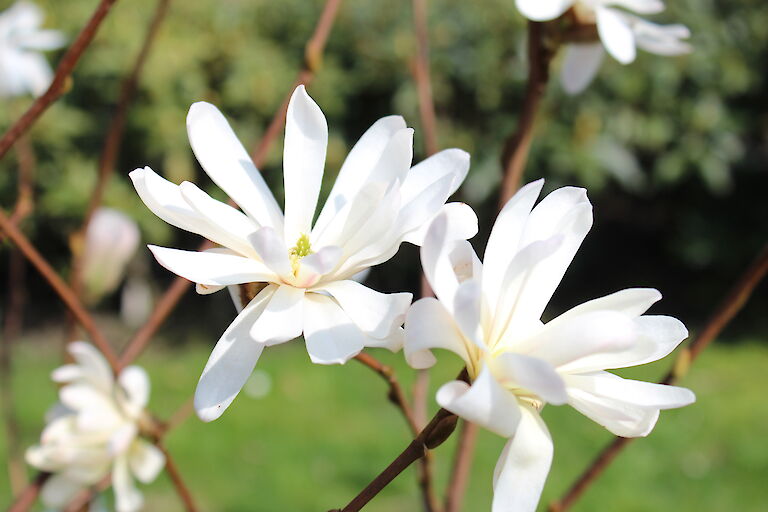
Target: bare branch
[{"x": 462, "y": 463}]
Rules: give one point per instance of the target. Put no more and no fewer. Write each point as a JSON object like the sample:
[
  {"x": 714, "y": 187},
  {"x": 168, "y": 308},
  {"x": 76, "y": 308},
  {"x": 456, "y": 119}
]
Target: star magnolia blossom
[
  {"x": 620, "y": 33},
  {"x": 489, "y": 314},
  {"x": 94, "y": 431},
  {"x": 22, "y": 68},
  {"x": 305, "y": 270}
]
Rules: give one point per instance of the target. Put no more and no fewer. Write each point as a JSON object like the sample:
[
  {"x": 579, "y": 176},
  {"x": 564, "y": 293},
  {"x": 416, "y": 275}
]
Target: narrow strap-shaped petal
[
  {"x": 145, "y": 460},
  {"x": 213, "y": 267},
  {"x": 331, "y": 336},
  {"x": 306, "y": 139},
  {"x": 523, "y": 466},
  {"x": 273, "y": 252},
  {"x": 461, "y": 217},
  {"x": 357, "y": 167},
  {"x": 485, "y": 402},
  {"x": 543, "y": 10},
  {"x": 616, "y": 34},
  {"x": 93, "y": 365},
  {"x": 581, "y": 63},
  {"x": 59, "y": 490},
  {"x": 231, "y": 362},
  {"x": 532, "y": 374},
  {"x": 376, "y": 314},
  {"x": 429, "y": 326},
  {"x": 449, "y": 162},
  {"x": 127, "y": 497},
  {"x": 134, "y": 381},
  {"x": 660, "y": 39},
  {"x": 282, "y": 319},
  {"x": 228, "y": 164},
  {"x": 640, "y": 6}
]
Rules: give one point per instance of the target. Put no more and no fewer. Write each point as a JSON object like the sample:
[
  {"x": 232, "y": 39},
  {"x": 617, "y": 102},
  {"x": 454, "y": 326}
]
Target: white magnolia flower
[
  {"x": 22, "y": 68},
  {"x": 306, "y": 270},
  {"x": 489, "y": 314},
  {"x": 94, "y": 431},
  {"x": 621, "y": 33},
  {"x": 110, "y": 241}
]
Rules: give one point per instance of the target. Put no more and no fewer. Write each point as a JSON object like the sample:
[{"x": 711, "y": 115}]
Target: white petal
[
  {"x": 324, "y": 260},
  {"x": 67, "y": 373},
  {"x": 597, "y": 332},
  {"x": 428, "y": 326},
  {"x": 43, "y": 40},
  {"x": 376, "y": 314},
  {"x": 504, "y": 241},
  {"x": 631, "y": 301},
  {"x": 357, "y": 167},
  {"x": 423, "y": 208},
  {"x": 273, "y": 251},
  {"x": 146, "y": 460},
  {"x": 616, "y": 34},
  {"x": 331, "y": 337},
  {"x": 532, "y": 374},
  {"x": 204, "y": 289},
  {"x": 228, "y": 164},
  {"x": 393, "y": 342},
  {"x": 135, "y": 382},
  {"x": 92, "y": 363},
  {"x": 235, "y": 227},
  {"x": 306, "y": 139},
  {"x": 281, "y": 320},
  {"x": 467, "y": 311},
  {"x": 214, "y": 267},
  {"x": 657, "y": 336},
  {"x": 59, "y": 490},
  {"x": 523, "y": 466},
  {"x": 231, "y": 362},
  {"x": 82, "y": 396},
  {"x": 127, "y": 497},
  {"x": 661, "y": 39},
  {"x": 580, "y": 65},
  {"x": 449, "y": 162},
  {"x": 395, "y": 161},
  {"x": 485, "y": 402},
  {"x": 122, "y": 438},
  {"x": 640, "y": 6},
  {"x": 543, "y": 10},
  {"x": 461, "y": 218}
]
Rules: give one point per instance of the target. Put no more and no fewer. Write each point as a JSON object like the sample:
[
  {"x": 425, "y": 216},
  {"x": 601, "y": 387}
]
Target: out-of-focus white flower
[
  {"x": 306, "y": 269},
  {"x": 23, "y": 69},
  {"x": 620, "y": 32},
  {"x": 110, "y": 241},
  {"x": 94, "y": 431},
  {"x": 490, "y": 315}
]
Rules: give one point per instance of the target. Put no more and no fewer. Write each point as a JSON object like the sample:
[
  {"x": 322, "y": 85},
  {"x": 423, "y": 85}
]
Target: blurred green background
[{"x": 672, "y": 150}]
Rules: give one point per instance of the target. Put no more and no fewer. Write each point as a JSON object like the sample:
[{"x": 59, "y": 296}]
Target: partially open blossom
[
  {"x": 93, "y": 432},
  {"x": 620, "y": 33},
  {"x": 490, "y": 315},
  {"x": 23, "y": 69},
  {"x": 110, "y": 241},
  {"x": 304, "y": 271}
]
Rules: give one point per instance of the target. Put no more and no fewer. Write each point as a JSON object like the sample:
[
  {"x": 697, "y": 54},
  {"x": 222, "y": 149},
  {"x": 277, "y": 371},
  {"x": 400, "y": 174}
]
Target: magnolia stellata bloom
[
  {"x": 110, "y": 240},
  {"x": 22, "y": 68},
  {"x": 94, "y": 431},
  {"x": 304, "y": 270},
  {"x": 489, "y": 314},
  {"x": 620, "y": 32}
]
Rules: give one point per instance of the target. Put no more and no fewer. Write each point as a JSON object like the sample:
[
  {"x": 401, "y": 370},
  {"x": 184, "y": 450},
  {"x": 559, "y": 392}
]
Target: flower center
[{"x": 301, "y": 249}]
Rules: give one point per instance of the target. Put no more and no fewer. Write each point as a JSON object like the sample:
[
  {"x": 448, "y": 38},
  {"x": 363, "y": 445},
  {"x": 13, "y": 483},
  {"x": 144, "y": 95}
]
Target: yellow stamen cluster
[{"x": 301, "y": 249}]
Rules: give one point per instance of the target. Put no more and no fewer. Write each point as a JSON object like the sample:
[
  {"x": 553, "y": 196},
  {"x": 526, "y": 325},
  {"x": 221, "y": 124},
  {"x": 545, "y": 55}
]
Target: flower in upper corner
[
  {"x": 93, "y": 432},
  {"x": 303, "y": 271},
  {"x": 23, "y": 69},
  {"x": 489, "y": 314},
  {"x": 619, "y": 31}
]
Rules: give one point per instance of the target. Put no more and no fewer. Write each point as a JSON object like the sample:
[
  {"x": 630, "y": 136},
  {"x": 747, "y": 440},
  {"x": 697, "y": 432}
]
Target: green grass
[{"x": 323, "y": 432}]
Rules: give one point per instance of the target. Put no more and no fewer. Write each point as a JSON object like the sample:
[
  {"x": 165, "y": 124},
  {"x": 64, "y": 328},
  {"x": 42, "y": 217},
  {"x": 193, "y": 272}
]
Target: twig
[
  {"x": 422, "y": 76},
  {"x": 110, "y": 151},
  {"x": 313, "y": 58},
  {"x": 59, "y": 286},
  {"x": 27, "y": 498},
  {"x": 84, "y": 497},
  {"x": 178, "y": 482},
  {"x": 454, "y": 496},
  {"x": 517, "y": 146},
  {"x": 60, "y": 79},
  {"x": 726, "y": 311}
]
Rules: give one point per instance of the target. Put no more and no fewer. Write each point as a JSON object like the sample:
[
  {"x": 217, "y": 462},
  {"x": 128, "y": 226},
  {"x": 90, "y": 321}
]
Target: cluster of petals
[
  {"x": 94, "y": 432},
  {"x": 490, "y": 313},
  {"x": 23, "y": 69},
  {"x": 305, "y": 271},
  {"x": 621, "y": 33}
]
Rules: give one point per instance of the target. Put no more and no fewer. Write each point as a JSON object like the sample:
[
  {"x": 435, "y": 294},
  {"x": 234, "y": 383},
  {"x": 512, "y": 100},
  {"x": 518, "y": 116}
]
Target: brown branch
[
  {"x": 60, "y": 287},
  {"x": 462, "y": 463},
  {"x": 733, "y": 302},
  {"x": 178, "y": 482},
  {"x": 28, "y": 496},
  {"x": 84, "y": 497},
  {"x": 60, "y": 79},
  {"x": 313, "y": 59},
  {"x": 422, "y": 76},
  {"x": 109, "y": 154},
  {"x": 517, "y": 146}
]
